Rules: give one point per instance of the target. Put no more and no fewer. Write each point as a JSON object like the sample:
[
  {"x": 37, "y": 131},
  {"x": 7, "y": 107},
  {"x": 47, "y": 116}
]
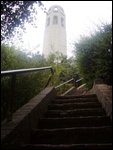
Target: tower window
[
  {"x": 48, "y": 21},
  {"x": 55, "y": 20},
  {"x": 55, "y": 9},
  {"x": 49, "y": 9},
  {"x": 62, "y": 22}
]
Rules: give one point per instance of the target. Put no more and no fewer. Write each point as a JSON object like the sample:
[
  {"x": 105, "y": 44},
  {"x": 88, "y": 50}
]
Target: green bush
[{"x": 94, "y": 56}]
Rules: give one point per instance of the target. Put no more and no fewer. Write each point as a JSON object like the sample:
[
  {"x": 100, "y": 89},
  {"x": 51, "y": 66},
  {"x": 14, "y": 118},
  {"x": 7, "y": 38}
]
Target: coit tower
[{"x": 55, "y": 32}]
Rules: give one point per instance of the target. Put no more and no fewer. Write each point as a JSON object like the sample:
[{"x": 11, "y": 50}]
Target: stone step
[
  {"x": 73, "y": 96},
  {"x": 74, "y": 105},
  {"x": 100, "y": 146},
  {"x": 78, "y": 100},
  {"x": 66, "y": 122},
  {"x": 75, "y": 112},
  {"x": 75, "y": 135}
]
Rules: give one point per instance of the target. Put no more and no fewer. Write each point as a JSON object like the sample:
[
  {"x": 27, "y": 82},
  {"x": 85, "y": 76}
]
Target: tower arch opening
[{"x": 55, "y": 19}]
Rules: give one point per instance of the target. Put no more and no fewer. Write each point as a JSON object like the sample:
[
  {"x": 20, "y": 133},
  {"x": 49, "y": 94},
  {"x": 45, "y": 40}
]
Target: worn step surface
[
  {"x": 49, "y": 123},
  {"x": 74, "y": 100},
  {"x": 72, "y": 135},
  {"x": 75, "y": 112},
  {"x": 106, "y": 146},
  {"x": 87, "y": 146},
  {"x": 73, "y": 96},
  {"x": 73, "y": 122},
  {"x": 74, "y": 105}
]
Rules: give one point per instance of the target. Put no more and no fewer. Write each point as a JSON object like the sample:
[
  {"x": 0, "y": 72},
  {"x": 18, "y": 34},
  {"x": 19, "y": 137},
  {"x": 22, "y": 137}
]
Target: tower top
[{"x": 55, "y": 9}]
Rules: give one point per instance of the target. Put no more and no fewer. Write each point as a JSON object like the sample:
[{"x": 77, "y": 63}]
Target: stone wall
[
  {"x": 104, "y": 94},
  {"x": 24, "y": 119}
]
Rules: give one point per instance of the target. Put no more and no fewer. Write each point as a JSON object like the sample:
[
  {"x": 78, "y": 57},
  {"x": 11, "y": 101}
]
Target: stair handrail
[
  {"x": 73, "y": 79},
  {"x": 19, "y": 71},
  {"x": 64, "y": 83},
  {"x": 79, "y": 80},
  {"x": 13, "y": 74}
]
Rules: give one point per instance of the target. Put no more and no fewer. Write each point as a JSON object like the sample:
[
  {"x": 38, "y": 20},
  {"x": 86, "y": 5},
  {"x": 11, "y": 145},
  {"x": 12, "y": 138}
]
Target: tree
[
  {"x": 27, "y": 85},
  {"x": 94, "y": 55},
  {"x": 14, "y": 13},
  {"x": 64, "y": 67}
]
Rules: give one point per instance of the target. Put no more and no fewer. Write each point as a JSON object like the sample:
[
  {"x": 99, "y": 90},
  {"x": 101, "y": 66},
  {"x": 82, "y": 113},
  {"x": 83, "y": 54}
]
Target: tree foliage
[
  {"x": 94, "y": 55},
  {"x": 29, "y": 85},
  {"x": 65, "y": 69},
  {"x": 14, "y": 13}
]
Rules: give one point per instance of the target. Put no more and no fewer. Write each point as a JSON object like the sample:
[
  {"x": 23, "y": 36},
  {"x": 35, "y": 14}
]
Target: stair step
[
  {"x": 73, "y": 105},
  {"x": 80, "y": 96},
  {"x": 75, "y": 112},
  {"x": 72, "y": 135},
  {"x": 78, "y": 100},
  {"x": 74, "y": 122},
  {"x": 100, "y": 146}
]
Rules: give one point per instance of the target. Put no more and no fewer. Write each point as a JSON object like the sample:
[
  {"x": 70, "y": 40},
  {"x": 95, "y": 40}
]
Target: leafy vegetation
[
  {"x": 14, "y": 13},
  {"x": 30, "y": 84},
  {"x": 93, "y": 60},
  {"x": 94, "y": 56}
]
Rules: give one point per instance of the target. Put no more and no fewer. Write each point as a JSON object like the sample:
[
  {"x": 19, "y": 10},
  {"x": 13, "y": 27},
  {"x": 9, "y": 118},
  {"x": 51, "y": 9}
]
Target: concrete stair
[
  {"x": 65, "y": 122},
  {"x": 68, "y": 135},
  {"x": 106, "y": 146},
  {"x": 73, "y": 122},
  {"x": 74, "y": 105}
]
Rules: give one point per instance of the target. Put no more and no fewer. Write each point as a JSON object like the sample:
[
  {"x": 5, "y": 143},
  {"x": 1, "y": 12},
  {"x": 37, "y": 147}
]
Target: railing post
[
  {"x": 48, "y": 81},
  {"x": 52, "y": 71},
  {"x": 11, "y": 105},
  {"x": 50, "y": 77},
  {"x": 74, "y": 82}
]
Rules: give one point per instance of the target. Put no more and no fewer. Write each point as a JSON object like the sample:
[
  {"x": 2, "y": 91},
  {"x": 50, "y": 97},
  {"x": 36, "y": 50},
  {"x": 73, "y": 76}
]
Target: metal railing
[
  {"x": 13, "y": 74},
  {"x": 79, "y": 80},
  {"x": 19, "y": 71},
  {"x": 65, "y": 83},
  {"x": 74, "y": 81}
]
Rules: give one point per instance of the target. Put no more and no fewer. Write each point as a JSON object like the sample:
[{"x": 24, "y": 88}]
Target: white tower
[{"x": 55, "y": 32}]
